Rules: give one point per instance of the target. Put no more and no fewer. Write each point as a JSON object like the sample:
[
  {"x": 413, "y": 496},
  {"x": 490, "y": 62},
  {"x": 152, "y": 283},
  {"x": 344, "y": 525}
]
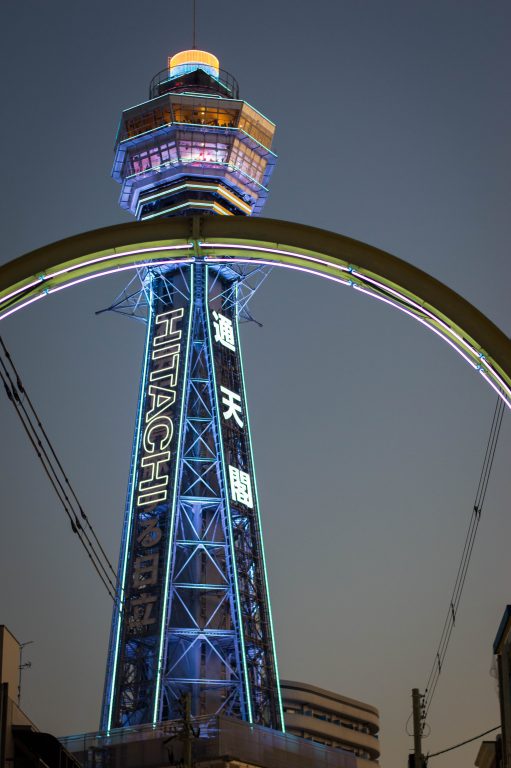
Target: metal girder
[
  {"x": 193, "y": 615},
  {"x": 202, "y": 655},
  {"x": 264, "y": 241}
]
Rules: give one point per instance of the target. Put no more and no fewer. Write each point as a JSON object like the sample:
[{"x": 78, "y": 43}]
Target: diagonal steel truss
[
  {"x": 212, "y": 637},
  {"x": 202, "y": 654}
]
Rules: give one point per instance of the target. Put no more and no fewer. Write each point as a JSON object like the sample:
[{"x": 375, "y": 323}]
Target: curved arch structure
[{"x": 217, "y": 239}]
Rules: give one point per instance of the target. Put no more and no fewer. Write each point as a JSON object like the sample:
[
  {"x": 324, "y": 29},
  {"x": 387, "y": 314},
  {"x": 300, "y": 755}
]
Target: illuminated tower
[{"x": 194, "y": 612}]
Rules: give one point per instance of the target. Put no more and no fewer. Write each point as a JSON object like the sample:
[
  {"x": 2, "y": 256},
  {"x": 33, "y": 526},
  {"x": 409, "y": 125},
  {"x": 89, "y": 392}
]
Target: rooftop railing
[
  {"x": 225, "y": 85},
  {"x": 219, "y": 736}
]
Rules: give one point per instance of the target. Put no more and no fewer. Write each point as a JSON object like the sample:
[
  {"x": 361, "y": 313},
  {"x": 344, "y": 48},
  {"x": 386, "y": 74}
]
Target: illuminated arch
[{"x": 241, "y": 239}]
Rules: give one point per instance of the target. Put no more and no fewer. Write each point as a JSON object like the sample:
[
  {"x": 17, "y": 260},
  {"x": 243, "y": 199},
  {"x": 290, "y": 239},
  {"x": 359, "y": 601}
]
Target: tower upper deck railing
[{"x": 198, "y": 81}]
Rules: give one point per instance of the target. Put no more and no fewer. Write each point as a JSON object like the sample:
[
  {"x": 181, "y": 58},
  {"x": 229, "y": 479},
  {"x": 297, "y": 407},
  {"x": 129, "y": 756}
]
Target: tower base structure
[{"x": 230, "y": 743}]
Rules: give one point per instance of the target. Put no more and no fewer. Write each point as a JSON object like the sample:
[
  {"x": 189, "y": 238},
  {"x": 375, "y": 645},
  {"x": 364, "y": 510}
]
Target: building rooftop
[
  {"x": 336, "y": 697},
  {"x": 224, "y": 739}
]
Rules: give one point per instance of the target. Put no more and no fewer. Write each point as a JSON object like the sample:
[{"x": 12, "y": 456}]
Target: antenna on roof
[{"x": 193, "y": 45}]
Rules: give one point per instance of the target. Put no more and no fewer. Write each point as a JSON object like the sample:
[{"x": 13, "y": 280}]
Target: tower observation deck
[
  {"x": 194, "y": 146},
  {"x": 193, "y": 612}
]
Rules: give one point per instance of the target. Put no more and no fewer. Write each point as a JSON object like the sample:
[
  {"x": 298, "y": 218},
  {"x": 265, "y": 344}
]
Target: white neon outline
[
  {"x": 159, "y": 670},
  {"x": 50, "y": 289},
  {"x": 419, "y": 307},
  {"x": 269, "y": 263},
  {"x": 354, "y": 272},
  {"x": 134, "y": 479},
  {"x": 23, "y": 288},
  {"x": 121, "y": 254},
  {"x": 213, "y": 259},
  {"x": 449, "y": 335},
  {"x": 46, "y": 277},
  {"x": 360, "y": 275},
  {"x": 419, "y": 320},
  {"x": 228, "y": 506},
  {"x": 278, "y": 251},
  {"x": 124, "y": 268},
  {"x": 22, "y": 306},
  {"x": 256, "y": 497}
]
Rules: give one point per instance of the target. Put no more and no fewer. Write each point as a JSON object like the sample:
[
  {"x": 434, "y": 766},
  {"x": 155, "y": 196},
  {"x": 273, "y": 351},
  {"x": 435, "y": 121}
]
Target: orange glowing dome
[{"x": 189, "y": 61}]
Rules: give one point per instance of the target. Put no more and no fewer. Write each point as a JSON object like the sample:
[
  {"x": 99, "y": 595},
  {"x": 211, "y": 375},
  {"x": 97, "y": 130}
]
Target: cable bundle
[
  {"x": 452, "y": 610},
  {"x": 80, "y": 523}
]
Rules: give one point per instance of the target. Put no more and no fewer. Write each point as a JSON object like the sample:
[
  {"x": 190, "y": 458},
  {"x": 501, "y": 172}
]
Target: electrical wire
[
  {"x": 54, "y": 484},
  {"x": 53, "y": 468},
  {"x": 23, "y": 391},
  {"x": 461, "y": 575},
  {"x": 462, "y": 743}
]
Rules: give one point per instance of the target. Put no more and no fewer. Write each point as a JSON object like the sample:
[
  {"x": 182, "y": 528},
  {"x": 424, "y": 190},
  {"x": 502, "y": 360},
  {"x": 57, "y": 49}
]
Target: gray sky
[{"x": 369, "y": 433}]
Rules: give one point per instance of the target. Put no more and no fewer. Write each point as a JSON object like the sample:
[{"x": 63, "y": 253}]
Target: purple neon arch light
[{"x": 262, "y": 255}]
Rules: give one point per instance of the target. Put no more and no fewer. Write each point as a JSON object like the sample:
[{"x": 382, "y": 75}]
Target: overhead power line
[
  {"x": 462, "y": 743},
  {"x": 452, "y": 611},
  {"x": 33, "y": 427}
]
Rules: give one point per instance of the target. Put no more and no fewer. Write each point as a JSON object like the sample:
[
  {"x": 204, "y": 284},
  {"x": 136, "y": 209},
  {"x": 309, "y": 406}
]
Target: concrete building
[
  {"x": 497, "y": 753},
  {"x": 22, "y": 745},
  {"x": 502, "y": 651},
  {"x": 328, "y": 718},
  {"x": 324, "y": 730},
  {"x": 224, "y": 742}
]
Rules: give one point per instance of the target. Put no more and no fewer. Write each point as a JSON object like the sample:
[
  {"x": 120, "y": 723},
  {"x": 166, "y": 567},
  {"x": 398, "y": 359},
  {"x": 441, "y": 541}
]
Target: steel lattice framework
[
  {"x": 195, "y": 614},
  {"x": 214, "y": 545},
  {"x": 192, "y": 613}
]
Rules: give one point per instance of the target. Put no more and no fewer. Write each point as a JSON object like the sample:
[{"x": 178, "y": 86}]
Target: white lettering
[
  {"x": 224, "y": 330},
  {"x": 241, "y": 487},
  {"x": 232, "y": 401}
]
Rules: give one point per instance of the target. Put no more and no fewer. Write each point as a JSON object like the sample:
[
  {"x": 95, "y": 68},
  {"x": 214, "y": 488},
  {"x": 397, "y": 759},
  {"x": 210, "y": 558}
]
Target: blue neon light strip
[
  {"x": 176, "y": 124},
  {"x": 129, "y": 521},
  {"x": 190, "y": 204},
  {"x": 174, "y": 498},
  {"x": 185, "y": 69},
  {"x": 228, "y": 507},
  {"x": 281, "y": 710},
  {"x": 190, "y": 161}
]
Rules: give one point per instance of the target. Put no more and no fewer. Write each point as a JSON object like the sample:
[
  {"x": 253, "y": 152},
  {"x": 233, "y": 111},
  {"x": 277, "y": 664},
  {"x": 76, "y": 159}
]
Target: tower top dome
[{"x": 188, "y": 61}]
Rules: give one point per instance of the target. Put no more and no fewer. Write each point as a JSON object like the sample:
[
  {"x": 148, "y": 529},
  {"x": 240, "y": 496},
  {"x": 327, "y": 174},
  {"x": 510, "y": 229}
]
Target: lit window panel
[
  {"x": 257, "y": 126},
  {"x": 247, "y": 161}
]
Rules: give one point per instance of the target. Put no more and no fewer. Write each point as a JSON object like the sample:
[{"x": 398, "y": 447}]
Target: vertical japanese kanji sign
[{"x": 241, "y": 500}]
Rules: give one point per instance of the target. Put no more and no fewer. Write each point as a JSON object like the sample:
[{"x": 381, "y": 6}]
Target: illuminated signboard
[
  {"x": 152, "y": 499},
  {"x": 242, "y": 503}
]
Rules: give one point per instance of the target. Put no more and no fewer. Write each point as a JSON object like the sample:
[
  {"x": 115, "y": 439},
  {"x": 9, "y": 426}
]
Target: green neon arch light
[{"x": 217, "y": 239}]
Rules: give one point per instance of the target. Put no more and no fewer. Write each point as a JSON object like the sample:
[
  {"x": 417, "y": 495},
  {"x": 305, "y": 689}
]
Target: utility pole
[
  {"x": 186, "y": 735},
  {"x": 417, "y": 730}
]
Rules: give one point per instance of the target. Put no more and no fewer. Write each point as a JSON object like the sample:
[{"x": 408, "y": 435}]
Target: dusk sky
[{"x": 393, "y": 127}]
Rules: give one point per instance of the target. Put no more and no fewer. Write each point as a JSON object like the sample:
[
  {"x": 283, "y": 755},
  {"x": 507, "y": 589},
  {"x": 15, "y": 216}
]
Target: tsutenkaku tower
[{"x": 194, "y": 615}]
